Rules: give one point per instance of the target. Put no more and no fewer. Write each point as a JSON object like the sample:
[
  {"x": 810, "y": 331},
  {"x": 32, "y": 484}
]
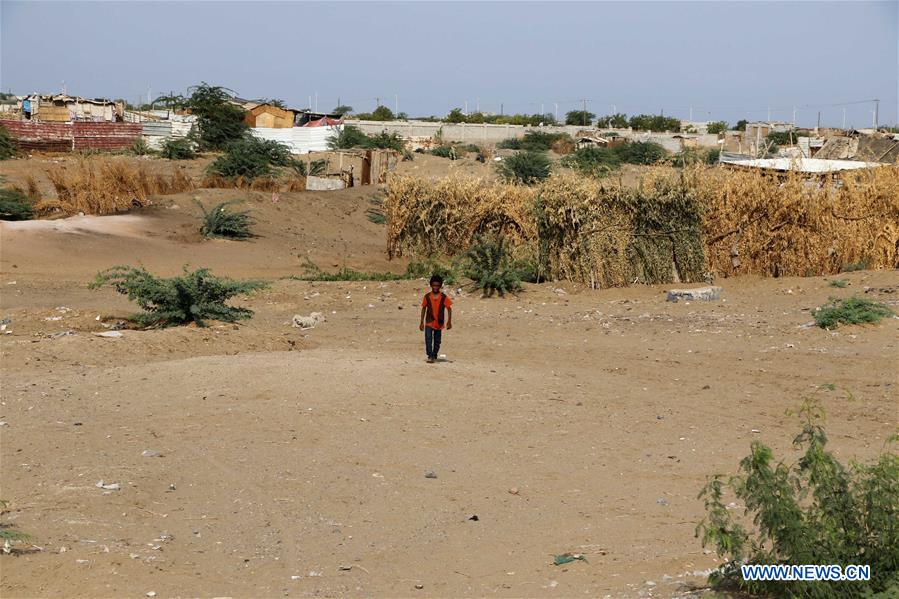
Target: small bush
[
  {"x": 640, "y": 152},
  {"x": 15, "y": 205},
  {"x": 222, "y": 222},
  {"x": 487, "y": 264},
  {"x": 314, "y": 168},
  {"x": 854, "y": 266},
  {"x": 781, "y": 138},
  {"x": 315, "y": 273},
  {"x": 349, "y": 136},
  {"x": 195, "y": 296},
  {"x": 9, "y": 535},
  {"x": 592, "y": 160},
  {"x": 375, "y": 213},
  {"x": 839, "y": 283},
  {"x": 8, "y": 147},
  {"x": 525, "y": 167},
  {"x": 816, "y": 511},
  {"x": 178, "y": 148},
  {"x": 427, "y": 268},
  {"x": 855, "y": 310},
  {"x": 250, "y": 158},
  {"x": 444, "y": 151},
  {"x": 140, "y": 147},
  {"x": 509, "y": 144},
  {"x": 385, "y": 141},
  {"x": 717, "y": 127}
]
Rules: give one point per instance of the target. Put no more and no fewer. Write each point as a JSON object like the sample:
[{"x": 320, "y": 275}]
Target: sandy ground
[{"x": 292, "y": 463}]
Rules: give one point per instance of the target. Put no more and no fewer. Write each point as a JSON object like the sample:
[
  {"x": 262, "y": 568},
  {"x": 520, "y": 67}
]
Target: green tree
[
  {"x": 220, "y": 122},
  {"x": 455, "y": 116},
  {"x": 579, "y": 117},
  {"x": 717, "y": 127},
  {"x": 654, "y": 122},
  {"x": 382, "y": 113},
  {"x": 741, "y": 125},
  {"x": 342, "y": 110}
]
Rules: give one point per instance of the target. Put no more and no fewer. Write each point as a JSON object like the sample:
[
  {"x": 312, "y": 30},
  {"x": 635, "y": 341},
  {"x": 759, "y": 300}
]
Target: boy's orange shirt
[{"x": 435, "y": 306}]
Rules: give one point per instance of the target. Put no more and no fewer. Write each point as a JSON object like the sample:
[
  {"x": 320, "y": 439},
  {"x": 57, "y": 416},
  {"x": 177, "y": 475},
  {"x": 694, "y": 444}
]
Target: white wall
[{"x": 300, "y": 140}]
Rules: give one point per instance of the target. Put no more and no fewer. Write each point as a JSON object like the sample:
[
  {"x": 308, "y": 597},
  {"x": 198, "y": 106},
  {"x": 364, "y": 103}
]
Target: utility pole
[
  {"x": 844, "y": 118},
  {"x": 557, "y": 111},
  {"x": 316, "y": 101},
  {"x": 500, "y": 109},
  {"x": 876, "y": 113},
  {"x": 818, "y": 126},
  {"x": 691, "y": 114},
  {"x": 794, "y": 117},
  {"x": 585, "y": 111},
  {"x": 396, "y": 104},
  {"x": 466, "y": 107},
  {"x": 769, "y": 114}
]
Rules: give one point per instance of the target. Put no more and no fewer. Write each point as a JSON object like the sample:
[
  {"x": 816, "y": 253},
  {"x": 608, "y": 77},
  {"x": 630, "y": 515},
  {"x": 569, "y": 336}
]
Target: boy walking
[{"x": 436, "y": 310}]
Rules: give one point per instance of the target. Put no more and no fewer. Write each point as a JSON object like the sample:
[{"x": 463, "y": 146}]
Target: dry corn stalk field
[{"x": 751, "y": 223}]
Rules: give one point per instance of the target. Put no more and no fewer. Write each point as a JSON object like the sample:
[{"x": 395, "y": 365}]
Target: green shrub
[
  {"x": 315, "y": 168},
  {"x": 195, "y": 296},
  {"x": 512, "y": 143},
  {"x": 223, "y": 222},
  {"x": 854, "y": 266},
  {"x": 375, "y": 213},
  {"x": 839, "y": 283},
  {"x": 250, "y": 157},
  {"x": 592, "y": 160},
  {"x": 314, "y": 273},
  {"x": 9, "y": 535},
  {"x": 598, "y": 161},
  {"x": 349, "y": 136},
  {"x": 781, "y": 138},
  {"x": 427, "y": 268},
  {"x": 8, "y": 147},
  {"x": 15, "y": 205},
  {"x": 815, "y": 511},
  {"x": 487, "y": 264},
  {"x": 640, "y": 152},
  {"x": 525, "y": 167},
  {"x": 178, "y": 148},
  {"x": 855, "y": 310},
  {"x": 140, "y": 147},
  {"x": 444, "y": 151},
  {"x": 385, "y": 141},
  {"x": 540, "y": 141}
]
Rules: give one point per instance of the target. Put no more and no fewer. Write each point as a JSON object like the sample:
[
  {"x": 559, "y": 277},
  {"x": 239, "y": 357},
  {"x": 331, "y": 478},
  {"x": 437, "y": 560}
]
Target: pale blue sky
[{"x": 728, "y": 60}]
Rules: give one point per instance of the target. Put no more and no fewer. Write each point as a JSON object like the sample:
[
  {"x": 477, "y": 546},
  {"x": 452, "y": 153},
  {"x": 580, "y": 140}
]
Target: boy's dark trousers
[{"x": 432, "y": 342}]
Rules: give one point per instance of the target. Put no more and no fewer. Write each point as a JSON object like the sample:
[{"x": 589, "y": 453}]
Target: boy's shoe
[{"x": 431, "y": 360}]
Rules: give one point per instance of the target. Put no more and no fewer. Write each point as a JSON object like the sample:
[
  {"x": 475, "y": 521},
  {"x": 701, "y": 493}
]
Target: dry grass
[
  {"x": 105, "y": 186},
  {"x": 294, "y": 183},
  {"x": 563, "y": 146},
  {"x": 795, "y": 226},
  {"x": 673, "y": 227},
  {"x": 433, "y": 218},
  {"x": 608, "y": 235}
]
